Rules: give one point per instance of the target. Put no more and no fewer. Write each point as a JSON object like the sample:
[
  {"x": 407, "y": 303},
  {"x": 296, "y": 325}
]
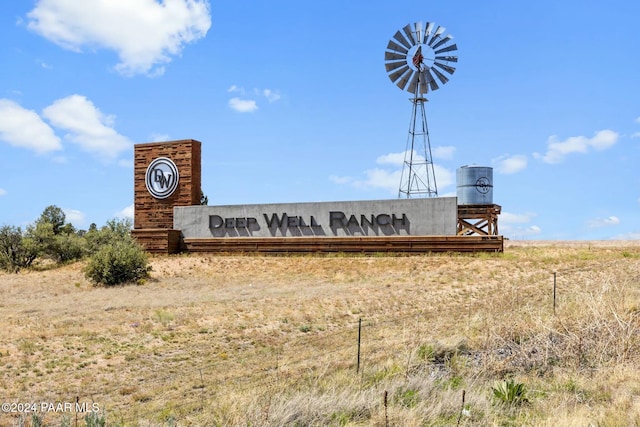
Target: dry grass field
[{"x": 273, "y": 340}]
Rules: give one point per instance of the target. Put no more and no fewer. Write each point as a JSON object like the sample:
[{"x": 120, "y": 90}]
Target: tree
[
  {"x": 204, "y": 200},
  {"x": 55, "y": 216},
  {"x": 114, "y": 230},
  {"x": 52, "y": 238},
  {"x": 15, "y": 251}
]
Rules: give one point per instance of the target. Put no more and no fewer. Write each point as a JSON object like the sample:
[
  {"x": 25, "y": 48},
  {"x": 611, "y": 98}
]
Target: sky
[{"x": 292, "y": 103}]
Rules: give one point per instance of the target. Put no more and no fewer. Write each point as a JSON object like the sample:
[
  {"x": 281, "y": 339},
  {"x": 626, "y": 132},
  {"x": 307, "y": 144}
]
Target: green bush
[
  {"x": 69, "y": 247},
  {"x": 16, "y": 252},
  {"x": 115, "y": 230},
  {"x": 118, "y": 262}
]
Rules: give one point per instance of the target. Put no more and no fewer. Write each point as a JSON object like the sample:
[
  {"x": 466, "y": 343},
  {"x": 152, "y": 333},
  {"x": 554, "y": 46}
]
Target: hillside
[{"x": 260, "y": 340}]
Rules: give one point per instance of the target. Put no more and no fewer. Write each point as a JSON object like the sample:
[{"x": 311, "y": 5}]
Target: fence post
[
  {"x": 554, "y": 292},
  {"x": 76, "y": 412},
  {"x": 359, "y": 339}
]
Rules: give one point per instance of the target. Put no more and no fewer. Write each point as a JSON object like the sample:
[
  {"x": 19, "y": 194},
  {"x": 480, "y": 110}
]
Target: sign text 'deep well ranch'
[{"x": 418, "y": 217}]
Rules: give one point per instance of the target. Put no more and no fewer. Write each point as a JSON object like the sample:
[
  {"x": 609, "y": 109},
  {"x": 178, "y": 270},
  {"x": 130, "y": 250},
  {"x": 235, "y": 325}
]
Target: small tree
[
  {"x": 55, "y": 216},
  {"x": 15, "y": 251},
  {"x": 115, "y": 230},
  {"x": 69, "y": 247}
]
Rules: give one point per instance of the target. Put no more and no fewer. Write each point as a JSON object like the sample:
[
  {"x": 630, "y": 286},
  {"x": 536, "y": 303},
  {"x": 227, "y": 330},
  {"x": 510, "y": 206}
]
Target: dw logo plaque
[{"x": 162, "y": 178}]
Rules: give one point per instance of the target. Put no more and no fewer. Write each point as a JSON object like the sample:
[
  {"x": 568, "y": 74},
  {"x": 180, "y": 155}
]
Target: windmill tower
[{"x": 412, "y": 59}]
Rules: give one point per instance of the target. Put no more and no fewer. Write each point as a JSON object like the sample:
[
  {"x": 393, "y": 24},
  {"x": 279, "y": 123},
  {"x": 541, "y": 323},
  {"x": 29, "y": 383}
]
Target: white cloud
[
  {"x": 508, "y": 164},
  {"x": 636, "y": 135},
  {"x": 159, "y": 137},
  {"x": 534, "y": 229},
  {"x": 632, "y": 235},
  {"x": 389, "y": 178},
  {"x": 250, "y": 105},
  {"x": 243, "y": 105},
  {"x": 444, "y": 177},
  {"x": 512, "y": 225},
  {"x": 603, "y": 222},
  {"x": 87, "y": 126},
  {"x": 443, "y": 152},
  {"x": 394, "y": 159},
  {"x": 126, "y": 212},
  {"x": 24, "y": 128},
  {"x": 637, "y": 120},
  {"x": 272, "y": 96},
  {"x": 75, "y": 217},
  {"x": 144, "y": 33},
  {"x": 513, "y": 218},
  {"x": 557, "y": 150},
  {"x": 3, "y": 192},
  {"x": 517, "y": 232}
]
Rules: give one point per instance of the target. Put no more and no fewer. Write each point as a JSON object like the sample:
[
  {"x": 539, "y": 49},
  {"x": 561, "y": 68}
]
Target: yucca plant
[{"x": 510, "y": 393}]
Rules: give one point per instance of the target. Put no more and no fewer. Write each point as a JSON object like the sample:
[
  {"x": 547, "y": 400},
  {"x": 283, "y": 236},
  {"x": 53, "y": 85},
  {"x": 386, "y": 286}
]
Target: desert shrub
[
  {"x": 115, "y": 230},
  {"x": 16, "y": 252},
  {"x": 42, "y": 238},
  {"x": 69, "y": 247},
  {"x": 64, "y": 246},
  {"x": 118, "y": 262}
]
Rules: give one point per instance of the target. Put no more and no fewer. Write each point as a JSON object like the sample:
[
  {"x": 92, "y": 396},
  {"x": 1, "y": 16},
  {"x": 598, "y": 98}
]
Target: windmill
[{"x": 416, "y": 61}]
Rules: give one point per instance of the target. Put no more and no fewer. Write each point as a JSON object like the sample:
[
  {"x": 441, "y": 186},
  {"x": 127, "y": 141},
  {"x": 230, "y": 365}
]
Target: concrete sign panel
[{"x": 415, "y": 217}]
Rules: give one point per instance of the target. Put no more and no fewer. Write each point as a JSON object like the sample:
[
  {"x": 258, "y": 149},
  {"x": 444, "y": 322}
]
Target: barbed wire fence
[{"x": 192, "y": 390}]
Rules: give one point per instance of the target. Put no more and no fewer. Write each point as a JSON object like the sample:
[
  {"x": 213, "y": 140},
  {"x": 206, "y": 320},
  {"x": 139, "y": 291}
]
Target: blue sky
[{"x": 292, "y": 103}]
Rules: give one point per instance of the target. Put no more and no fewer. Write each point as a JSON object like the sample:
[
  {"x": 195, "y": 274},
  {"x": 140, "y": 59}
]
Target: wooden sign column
[{"x": 153, "y": 217}]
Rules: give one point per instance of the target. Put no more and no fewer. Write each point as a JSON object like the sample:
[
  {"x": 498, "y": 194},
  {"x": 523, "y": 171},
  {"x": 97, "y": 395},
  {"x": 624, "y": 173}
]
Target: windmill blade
[
  {"x": 443, "y": 79},
  {"x": 441, "y": 42},
  {"x": 409, "y": 33},
  {"x": 395, "y": 46},
  {"x": 446, "y": 68},
  {"x": 392, "y": 56},
  {"x": 418, "y": 26},
  {"x": 447, "y": 58},
  {"x": 398, "y": 73},
  {"x": 432, "y": 82},
  {"x": 399, "y": 37},
  {"x": 427, "y": 32},
  {"x": 447, "y": 49},
  {"x": 436, "y": 35},
  {"x": 404, "y": 79},
  {"x": 390, "y": 66},
  {"x": 414, "y": 82},
  {"x": 417, "y": 74}
]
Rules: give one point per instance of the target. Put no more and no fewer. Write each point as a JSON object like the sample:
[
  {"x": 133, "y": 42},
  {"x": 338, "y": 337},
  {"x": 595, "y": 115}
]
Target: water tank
[{"x": 475, "y": 185}]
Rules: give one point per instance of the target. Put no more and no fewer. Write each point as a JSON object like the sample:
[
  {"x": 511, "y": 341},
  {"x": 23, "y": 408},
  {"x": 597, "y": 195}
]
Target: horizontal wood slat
[
  {"x": 158, "y": 240},
  {"x": 155, "y": 213},
  {"x": 369, "y": 244}
]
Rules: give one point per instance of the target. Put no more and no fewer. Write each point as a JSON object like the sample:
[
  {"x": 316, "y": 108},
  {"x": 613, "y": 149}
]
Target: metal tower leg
[{"x": 418, "y": 177}]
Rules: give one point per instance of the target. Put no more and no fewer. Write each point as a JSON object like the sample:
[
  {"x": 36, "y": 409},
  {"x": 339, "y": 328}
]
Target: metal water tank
[{"x": 474, "y": 185}]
